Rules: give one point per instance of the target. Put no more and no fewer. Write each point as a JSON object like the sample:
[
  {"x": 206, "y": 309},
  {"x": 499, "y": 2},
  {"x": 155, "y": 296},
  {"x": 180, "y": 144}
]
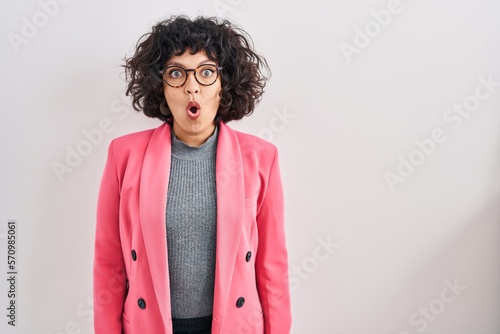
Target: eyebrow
[{"x": 204, "y": 61}]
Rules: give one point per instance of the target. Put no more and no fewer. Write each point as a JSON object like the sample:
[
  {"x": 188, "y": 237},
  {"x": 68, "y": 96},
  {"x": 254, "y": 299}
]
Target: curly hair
[{"x": 242, "y": 76}]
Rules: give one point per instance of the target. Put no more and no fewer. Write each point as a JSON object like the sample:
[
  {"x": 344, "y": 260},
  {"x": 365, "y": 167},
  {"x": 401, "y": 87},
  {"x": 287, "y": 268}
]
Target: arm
[
  {"x": 109, "y": 266},
  {"x": 272, "y": 256}
]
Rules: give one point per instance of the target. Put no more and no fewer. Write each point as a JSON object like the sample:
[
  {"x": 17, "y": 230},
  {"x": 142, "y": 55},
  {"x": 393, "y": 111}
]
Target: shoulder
[
  {"x": 255, "y": 151},
  {"x": 132, "y": 143},
  {"x": 251, "y": 142}
]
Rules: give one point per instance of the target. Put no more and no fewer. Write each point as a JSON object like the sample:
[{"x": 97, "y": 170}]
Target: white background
[{"x": 349, "y": 120}]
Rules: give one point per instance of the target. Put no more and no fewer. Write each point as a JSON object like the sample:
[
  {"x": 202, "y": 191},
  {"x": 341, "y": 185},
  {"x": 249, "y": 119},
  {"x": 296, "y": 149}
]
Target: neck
[{"x": 193, "y": 139}]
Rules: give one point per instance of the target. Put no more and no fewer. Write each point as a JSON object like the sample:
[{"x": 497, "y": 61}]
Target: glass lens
[
  {"x": 206, "y": 74},
  {"x": 175, "y": 76}
]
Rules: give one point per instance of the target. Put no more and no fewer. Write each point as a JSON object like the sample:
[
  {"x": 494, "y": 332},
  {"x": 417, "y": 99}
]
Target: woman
[{"x": 190, "y": 218}]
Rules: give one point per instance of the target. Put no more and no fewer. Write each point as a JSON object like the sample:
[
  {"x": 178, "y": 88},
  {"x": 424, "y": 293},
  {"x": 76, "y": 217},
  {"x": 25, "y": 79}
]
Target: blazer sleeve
[
  {"x": 109, "y": 267},
  {"x": 272, "y": 257}
]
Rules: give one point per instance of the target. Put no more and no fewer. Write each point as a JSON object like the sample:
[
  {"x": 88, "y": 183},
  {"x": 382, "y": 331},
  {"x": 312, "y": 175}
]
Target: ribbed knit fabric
[{"x": 191, "y": 227}]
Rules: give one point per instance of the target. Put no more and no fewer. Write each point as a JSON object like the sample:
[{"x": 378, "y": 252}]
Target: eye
[
  {"x": 207, "y": 72},
  {"x": 175, "y": 73}
]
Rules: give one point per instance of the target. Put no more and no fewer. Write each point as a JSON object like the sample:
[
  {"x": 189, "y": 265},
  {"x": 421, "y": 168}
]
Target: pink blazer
[{"x": 131, "y": 279}]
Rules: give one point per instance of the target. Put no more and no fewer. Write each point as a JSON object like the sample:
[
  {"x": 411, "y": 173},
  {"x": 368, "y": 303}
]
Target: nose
[{"x": 191, "y": 86}]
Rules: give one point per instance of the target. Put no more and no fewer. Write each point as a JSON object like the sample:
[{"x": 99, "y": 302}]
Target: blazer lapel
[
  {"x": 230, "y": 206},
  {"x": 153, "y": 196}
]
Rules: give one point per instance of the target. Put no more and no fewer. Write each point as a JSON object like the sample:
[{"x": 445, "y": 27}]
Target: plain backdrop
[{"x": 387, "y": 118}]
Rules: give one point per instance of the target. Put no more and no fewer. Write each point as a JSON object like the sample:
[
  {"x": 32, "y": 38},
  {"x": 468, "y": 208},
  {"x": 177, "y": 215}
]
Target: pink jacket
[{"x": 131, "y": 279}]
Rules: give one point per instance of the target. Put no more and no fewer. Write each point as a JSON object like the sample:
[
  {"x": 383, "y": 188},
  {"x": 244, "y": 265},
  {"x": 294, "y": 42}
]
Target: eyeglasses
[{"x": 176, "y": 76}]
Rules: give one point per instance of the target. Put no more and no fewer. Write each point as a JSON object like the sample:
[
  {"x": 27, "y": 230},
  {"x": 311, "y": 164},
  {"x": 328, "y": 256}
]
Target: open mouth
[{"x": 193, "y": 110}]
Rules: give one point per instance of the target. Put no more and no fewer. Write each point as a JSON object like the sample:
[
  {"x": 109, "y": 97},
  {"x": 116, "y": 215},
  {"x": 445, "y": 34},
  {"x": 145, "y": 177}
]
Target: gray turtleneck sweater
[{"x": 191, "y": 227}]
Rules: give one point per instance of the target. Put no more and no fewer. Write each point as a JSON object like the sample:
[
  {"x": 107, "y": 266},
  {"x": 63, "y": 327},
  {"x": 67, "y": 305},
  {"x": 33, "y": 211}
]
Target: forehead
[{"x": 189, "y": 60}]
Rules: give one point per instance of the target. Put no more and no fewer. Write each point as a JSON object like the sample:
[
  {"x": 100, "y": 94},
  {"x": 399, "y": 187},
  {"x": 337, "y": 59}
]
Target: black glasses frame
[{"x": 187, "y": 70}]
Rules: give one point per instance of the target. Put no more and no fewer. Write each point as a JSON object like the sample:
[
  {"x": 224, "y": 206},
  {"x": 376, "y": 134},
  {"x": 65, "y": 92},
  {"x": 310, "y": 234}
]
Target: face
[{"x": 193, "y": 105}]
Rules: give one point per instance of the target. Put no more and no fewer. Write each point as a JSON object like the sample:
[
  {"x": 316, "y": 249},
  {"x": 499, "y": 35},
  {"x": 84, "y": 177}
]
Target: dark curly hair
[{"x": 242, "y": 76}]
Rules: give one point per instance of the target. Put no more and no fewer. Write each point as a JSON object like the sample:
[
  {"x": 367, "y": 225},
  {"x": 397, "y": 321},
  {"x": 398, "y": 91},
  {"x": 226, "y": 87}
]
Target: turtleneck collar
[{"x": 183, "y": 151}]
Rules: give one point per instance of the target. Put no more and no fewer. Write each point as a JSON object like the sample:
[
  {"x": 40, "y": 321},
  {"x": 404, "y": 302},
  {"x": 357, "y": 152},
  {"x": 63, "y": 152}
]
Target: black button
[
  {"x": 249, "y": 256},
  {"x": 240, "y": 302},
  {"x": 134, "y": 255},
  {"x": 141, "y": 303}
]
